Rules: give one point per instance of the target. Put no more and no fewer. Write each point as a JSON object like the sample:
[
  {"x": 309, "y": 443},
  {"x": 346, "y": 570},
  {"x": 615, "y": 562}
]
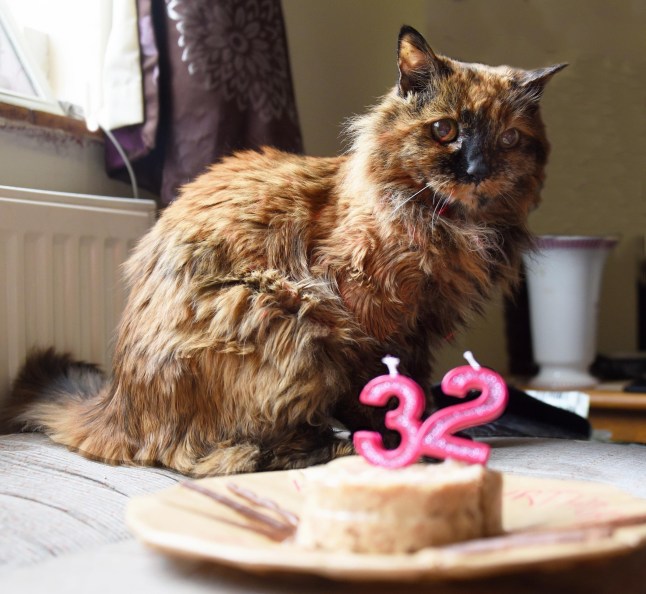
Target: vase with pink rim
[{"x": 564, "y": 283}]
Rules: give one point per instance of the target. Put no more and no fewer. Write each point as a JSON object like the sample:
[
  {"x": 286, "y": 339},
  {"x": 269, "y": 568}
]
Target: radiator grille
[{"x": 60, "y": 272}]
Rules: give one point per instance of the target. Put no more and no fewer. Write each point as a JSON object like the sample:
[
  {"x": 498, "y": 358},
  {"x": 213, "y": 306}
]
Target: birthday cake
[{"x": 352, "y": 505}]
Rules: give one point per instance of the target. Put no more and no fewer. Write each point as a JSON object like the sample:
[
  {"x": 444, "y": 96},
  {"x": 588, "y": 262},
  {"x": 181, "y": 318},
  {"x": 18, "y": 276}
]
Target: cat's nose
[{"x": 477, "y": 168}]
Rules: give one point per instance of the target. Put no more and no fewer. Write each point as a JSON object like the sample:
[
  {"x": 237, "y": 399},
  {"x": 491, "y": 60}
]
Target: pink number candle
[
  {"x": 438, "y": 439},
  {"x": 435, "y": 436},
  {"x": 405, "y": 418}
]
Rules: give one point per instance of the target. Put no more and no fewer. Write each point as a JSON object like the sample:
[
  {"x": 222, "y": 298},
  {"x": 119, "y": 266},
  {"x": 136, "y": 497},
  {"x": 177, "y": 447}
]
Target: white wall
[
  {"x": 343, "y": 57},
  {"x": 52, "y": 160}
]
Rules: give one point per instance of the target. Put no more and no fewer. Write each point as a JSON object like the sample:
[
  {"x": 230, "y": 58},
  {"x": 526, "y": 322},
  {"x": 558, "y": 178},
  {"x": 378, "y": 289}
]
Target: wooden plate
[{"x": 548, "y": 523}]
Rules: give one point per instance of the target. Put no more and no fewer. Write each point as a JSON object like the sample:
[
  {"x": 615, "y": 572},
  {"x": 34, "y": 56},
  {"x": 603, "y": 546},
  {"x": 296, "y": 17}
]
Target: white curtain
[{"x": 115, "y": 90}]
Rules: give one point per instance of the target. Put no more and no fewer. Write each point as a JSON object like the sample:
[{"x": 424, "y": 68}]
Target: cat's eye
[
  {"x": 444, "y": 130},
  {"x": 509, "y": 138}
]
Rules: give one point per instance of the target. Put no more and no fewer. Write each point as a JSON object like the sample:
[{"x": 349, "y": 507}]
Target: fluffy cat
[{"x": 266, "y": 295}]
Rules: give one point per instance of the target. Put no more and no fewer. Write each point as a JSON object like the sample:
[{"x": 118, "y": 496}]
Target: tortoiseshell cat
[{"x": 267, "y": 293}]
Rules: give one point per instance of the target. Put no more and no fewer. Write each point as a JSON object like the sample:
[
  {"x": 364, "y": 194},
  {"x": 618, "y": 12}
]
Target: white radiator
[{"x": 60, "y": 276}]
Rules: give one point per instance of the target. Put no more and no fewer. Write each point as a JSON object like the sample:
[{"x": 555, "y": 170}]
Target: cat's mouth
[
  {"x": 465, "y": 197},
  {"x": 448, "y": 206},
  {"x": 442, "y": 205},
  {"x": 456, "y": 201}
]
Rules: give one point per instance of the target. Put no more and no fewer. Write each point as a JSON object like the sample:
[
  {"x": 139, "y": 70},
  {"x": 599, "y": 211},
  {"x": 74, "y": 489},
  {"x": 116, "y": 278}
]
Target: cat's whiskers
[
  {"x": 407, "y": 200},
  {"x": 444, "y": 201},
  {"x": 440, "y": 200},
  {"x": 509, "y": 196}
]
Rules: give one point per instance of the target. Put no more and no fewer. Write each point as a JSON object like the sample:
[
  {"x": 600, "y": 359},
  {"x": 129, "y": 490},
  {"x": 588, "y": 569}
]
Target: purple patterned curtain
[{"x": 216, "y": 79}]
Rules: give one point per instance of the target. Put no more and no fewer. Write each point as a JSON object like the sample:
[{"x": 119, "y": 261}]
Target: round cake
[{"x": 354, "y": 506}]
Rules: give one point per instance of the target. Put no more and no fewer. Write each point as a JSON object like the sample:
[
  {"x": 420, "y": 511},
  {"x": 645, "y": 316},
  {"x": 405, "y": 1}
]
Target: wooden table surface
[{"x": 621, "y": 413}]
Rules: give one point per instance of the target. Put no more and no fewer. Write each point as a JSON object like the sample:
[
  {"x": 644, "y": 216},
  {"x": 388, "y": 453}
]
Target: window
[
  {"x": 22, "y": 81},
  {"x": 81, "y": 55}
]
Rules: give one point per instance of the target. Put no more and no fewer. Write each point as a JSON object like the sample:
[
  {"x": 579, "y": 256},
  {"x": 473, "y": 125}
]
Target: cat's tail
[{"x": 50, "y": 393}]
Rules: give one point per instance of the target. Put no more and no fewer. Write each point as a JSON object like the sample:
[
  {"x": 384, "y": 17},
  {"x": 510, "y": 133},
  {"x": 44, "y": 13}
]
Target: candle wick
[
  {"x": 471, "y": 360},
  {"x": 391, "y": 362}
]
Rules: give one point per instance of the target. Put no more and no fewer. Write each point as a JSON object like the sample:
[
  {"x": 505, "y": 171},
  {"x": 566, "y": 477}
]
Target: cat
[{"x": 265, "y": 296}]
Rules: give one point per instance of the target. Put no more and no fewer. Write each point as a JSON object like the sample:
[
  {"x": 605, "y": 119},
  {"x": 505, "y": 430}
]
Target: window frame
[{"x": 46, "y": 100}]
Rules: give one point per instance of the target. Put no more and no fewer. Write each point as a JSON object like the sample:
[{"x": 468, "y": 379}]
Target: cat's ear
[
  {"x": 416, "y": 60},
  {"x": 535, "y": 80}
]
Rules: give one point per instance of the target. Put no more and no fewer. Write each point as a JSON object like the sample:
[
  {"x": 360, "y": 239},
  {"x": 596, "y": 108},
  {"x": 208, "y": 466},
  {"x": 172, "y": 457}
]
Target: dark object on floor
[
  {"x": 524, "y": 417},
  {"x": 620, "y": 366},
  {"x": 637, "y": 386}
]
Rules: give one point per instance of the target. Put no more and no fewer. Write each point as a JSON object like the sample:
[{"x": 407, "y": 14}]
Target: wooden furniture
[{"x": 621, "y": 413}]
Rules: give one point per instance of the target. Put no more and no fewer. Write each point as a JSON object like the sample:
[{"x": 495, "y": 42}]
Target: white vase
[{"x": 564, "y": 282}]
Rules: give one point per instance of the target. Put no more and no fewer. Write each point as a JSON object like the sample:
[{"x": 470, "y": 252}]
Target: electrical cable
[{"x": 126, "y": 162}]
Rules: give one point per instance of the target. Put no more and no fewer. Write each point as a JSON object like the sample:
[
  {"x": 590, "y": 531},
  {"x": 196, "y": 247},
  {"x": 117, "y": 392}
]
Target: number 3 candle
[{"x": 434, "y": 437}]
